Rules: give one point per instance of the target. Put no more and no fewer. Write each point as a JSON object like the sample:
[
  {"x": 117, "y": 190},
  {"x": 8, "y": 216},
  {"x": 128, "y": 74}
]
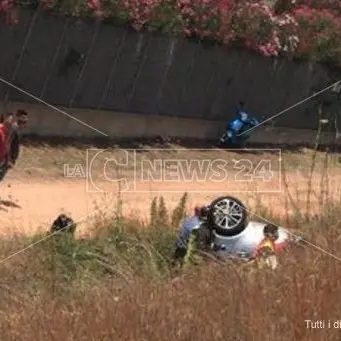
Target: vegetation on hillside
[
  {"x": 120, "y": 284},
  {"x": 309, "y": 29}
]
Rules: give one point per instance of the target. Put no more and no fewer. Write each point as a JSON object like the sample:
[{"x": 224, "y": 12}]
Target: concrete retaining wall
[
  {"x": 166, "y": 81},
  {"x": 46, "y": 122}
]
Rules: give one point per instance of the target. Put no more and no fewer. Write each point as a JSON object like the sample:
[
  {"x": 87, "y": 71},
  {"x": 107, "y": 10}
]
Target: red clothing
[
  {"x": 4, "y": 142},
  {"x": 266, "y": 242}
]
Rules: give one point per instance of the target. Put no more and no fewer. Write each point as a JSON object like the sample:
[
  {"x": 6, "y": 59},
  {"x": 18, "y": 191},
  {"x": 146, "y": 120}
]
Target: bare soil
[{"x": 40, "y": 186}]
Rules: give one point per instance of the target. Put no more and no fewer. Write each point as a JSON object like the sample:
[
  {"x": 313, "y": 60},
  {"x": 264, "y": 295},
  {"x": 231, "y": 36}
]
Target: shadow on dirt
[
  {"x": 160, "y": 143},
  {"x": 9, "y": 204}
]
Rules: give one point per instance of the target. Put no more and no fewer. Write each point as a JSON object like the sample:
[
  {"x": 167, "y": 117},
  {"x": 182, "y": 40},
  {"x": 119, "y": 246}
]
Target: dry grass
[
  {"x": 213, "y": 302},
  {"x": 119, "y": 285}
]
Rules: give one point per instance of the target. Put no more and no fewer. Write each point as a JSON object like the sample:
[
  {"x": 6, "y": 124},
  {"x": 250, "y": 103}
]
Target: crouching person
[
  {"x": 265, "y": 253},
  {"x": 194, "y": 236},
  {"x": 64, "y": 224}
]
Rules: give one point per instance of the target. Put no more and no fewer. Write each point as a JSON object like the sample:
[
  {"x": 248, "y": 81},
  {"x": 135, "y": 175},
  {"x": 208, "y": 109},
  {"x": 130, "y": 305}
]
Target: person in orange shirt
[{"x": 267, "y": 247}]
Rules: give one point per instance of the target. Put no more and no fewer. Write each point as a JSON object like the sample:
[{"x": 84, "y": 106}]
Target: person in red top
[{"x": 5, "y": 141}]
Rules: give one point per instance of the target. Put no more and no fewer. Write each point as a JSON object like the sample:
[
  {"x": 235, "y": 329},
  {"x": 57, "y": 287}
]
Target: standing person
[
  {"x": 6, "y": 129},
  {"x": 19, "y": 125}
]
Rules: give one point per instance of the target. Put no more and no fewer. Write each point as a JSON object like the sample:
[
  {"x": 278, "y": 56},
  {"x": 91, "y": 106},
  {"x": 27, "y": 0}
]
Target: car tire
[{"x": 239, "y": 212}]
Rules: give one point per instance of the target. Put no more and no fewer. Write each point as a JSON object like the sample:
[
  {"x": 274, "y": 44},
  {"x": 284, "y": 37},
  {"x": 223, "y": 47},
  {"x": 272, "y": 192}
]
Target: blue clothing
[
  {"x": 236, "y": 125},
  {"x": 188, "y": 225}
]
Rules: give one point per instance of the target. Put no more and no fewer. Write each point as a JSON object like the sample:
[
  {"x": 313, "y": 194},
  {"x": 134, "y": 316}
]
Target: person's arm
[
  {"x": 3, "y": 146},
  {"x": 254, "y": 121},
  {"x": 14, "y": 148},
  {"x": 258, "y": 248}
]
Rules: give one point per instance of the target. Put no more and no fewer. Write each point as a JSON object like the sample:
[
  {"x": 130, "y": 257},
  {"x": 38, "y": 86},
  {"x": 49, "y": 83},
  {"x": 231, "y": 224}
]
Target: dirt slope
[
  {"x": 31, "y": 205},
  {"x": 36, "y": 190}
]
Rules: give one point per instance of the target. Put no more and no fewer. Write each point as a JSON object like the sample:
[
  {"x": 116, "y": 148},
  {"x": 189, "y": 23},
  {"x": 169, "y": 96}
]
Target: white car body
[{"x": 246, "y": 242}]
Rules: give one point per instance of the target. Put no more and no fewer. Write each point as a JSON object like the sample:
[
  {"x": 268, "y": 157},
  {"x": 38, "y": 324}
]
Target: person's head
[
  {"x": 244, "y": 117},
  {"x": 197, "y": 209},
  {"x": 7, "y": 119},
  {"x": 270, "y": 231},
  {"x": 201, "y": 211},
  {"x": 21, "y": 118}
]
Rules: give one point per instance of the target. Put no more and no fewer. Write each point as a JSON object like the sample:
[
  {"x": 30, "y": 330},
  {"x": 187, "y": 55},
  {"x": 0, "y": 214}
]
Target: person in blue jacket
[
  {"x": 192, "y": 235},
  {"x": 243, "y": 122}
]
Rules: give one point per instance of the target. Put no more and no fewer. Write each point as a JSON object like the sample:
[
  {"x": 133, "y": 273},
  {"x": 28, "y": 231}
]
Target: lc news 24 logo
[{"x": 137, "y": 171}]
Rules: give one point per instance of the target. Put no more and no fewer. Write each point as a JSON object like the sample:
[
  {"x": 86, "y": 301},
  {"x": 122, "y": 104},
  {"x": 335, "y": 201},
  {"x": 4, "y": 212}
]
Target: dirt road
[
  {"x": 36, "y": 190},
  {"x": 31, "y": 204}
]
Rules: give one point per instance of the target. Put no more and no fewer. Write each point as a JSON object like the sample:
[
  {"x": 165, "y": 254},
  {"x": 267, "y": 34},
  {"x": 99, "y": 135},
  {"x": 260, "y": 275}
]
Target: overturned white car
[
  {"x": 233, "y": 231},
  {"x": 233, "y": 234}
]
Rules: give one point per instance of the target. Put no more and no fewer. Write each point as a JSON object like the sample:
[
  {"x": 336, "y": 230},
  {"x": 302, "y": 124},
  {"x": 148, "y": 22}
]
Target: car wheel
[{"x": 227, "y": 216}]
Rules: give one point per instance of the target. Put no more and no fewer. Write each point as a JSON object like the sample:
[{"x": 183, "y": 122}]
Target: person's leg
[
  {"x": 3, "y": 170},
  {"x": 236, "y": 142},
  {"x": 231, "y": 139},
  {"x": 180, "y": 253},
  {"x": 179, "y": 256},
  {"x": 204, "y": 238}
]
